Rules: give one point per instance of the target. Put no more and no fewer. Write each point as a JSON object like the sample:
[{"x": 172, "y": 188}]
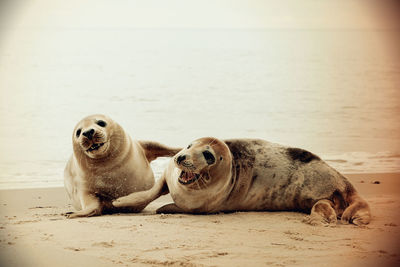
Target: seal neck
[{"x": 239, "y": 184}]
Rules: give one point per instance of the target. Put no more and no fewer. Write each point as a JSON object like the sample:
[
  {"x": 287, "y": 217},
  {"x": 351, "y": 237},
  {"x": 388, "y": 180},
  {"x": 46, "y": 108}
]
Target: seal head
[
  {"x": 96, "y": 136},
  {"x": 202, "y": 162}
]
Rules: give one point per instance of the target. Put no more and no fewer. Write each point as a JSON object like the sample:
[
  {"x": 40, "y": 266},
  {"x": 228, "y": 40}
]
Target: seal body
[
  {"x": 212, "y": 175},
  {"x": 107, "y": 164}
]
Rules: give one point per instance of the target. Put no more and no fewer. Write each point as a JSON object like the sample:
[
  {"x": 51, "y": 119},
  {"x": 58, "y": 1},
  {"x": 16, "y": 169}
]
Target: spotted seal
[
  {"x": 107, "y": 164},
  {"x": 212, "y": 175}
]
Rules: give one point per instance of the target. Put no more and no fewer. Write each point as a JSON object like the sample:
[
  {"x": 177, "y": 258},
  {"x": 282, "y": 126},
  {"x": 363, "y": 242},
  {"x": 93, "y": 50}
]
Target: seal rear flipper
[
  {"x": 322, "y": 213},
  {"x": 358, "y": 212},
  {"x": 154, "y": 150},
  {"x": 170, "y": 209}
]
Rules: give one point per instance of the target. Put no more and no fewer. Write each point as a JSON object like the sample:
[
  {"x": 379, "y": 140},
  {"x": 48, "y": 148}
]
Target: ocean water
[{"x": 335, "y": 93}]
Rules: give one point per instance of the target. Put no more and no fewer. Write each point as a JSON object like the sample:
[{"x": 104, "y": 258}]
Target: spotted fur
[{"x": 257, "y": 175}]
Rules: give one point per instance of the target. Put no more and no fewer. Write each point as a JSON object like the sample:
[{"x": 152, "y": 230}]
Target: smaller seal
[
  {"x": 212, "y": 175},
  {"x": 107, "y": 164}
]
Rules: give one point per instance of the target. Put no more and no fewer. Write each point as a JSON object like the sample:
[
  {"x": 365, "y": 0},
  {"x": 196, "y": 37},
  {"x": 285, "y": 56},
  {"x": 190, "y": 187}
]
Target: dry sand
[{"x": 34, "y": 233}]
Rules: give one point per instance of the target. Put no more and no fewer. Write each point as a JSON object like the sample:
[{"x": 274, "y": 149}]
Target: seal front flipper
[
  {"x": 84, "y": 213},
  {"x": 170, "y": 209},
  {"x": 154, "y": 150},
  {"x": 92, "y": 208},
  {"x": 143, "y": 198},
  {"x": 322, "y": 213},
  {"x": 358, "y": 212}
]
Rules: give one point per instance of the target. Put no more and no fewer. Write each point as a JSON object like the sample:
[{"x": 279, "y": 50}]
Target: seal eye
[
  {"x": 209, "y": 157},
  {"x": 220, "y": 158},
  {"x": 78, "y": 133},
  {"x": 101, "y": 123},
  {"x": 189, "y": 146}
]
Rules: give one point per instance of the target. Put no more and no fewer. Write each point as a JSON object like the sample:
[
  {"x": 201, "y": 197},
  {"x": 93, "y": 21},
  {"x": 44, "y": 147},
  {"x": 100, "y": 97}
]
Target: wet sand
[{"x": 34, "y": 233}]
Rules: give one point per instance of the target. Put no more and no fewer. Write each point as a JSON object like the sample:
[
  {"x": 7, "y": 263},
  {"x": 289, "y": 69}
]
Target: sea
[{"x": 335, "y": 93}]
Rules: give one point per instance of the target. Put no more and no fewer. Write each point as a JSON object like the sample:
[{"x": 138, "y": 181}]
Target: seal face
[
  {"x": 195, "y": 165},
  {"x": 107, "y": 164},
  {"x": 93, "y": 138},
  {"x": 212, "y": 175},
  {"x": 200, "y": 163}
]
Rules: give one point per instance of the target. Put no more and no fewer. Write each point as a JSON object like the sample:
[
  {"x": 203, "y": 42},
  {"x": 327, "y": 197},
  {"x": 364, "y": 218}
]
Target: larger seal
[
  {"x": 211, "y": 175},
  {"x": 107, "y": 164}
]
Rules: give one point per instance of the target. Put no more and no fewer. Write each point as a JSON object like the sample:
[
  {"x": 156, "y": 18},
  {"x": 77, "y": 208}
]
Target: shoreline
[
  {"x": 34, "y": 233},
  {"x": 352, "y": 175}
]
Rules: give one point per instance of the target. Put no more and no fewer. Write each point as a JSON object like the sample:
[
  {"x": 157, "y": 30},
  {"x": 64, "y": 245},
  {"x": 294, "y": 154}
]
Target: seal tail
[{"x": 358, "y": 211}]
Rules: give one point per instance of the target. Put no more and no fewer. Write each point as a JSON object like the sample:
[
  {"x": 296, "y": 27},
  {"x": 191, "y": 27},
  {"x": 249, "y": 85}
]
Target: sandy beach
[
  {"x": 34, "y": 233},
  {"x": 319, "y": 76}
]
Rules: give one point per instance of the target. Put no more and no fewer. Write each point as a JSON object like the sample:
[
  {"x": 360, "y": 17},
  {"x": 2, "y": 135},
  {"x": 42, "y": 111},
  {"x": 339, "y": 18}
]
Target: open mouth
[
  {"x": 188, "y": 177},
  {"x": 95, "y": 147}
]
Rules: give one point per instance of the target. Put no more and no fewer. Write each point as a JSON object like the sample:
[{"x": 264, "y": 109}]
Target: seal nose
[
  {"x": 180, "y": 158},
  {"x": 89, "y": 134}
]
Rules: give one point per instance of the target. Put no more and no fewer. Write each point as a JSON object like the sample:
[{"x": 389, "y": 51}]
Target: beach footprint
[{"x": 104, "y": 244}]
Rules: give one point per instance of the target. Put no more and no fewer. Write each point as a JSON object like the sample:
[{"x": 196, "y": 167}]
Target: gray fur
[
  {"x": 256, "y": 175},
  {"x": 279, "y": 181}
]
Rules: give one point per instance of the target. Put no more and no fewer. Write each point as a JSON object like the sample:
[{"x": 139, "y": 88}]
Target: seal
[
  {"x": 107, "y": 164},
  {"x": 212, "y": 175}
]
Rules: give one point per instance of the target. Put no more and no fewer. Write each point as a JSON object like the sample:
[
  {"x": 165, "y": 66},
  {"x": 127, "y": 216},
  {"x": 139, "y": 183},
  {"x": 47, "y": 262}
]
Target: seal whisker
[
  {"x": 209, "y": 176},
  {"x": 198, "y": 185},
  {"x": 204, "y": 183},
  {"x": 212, "y": 142}
]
